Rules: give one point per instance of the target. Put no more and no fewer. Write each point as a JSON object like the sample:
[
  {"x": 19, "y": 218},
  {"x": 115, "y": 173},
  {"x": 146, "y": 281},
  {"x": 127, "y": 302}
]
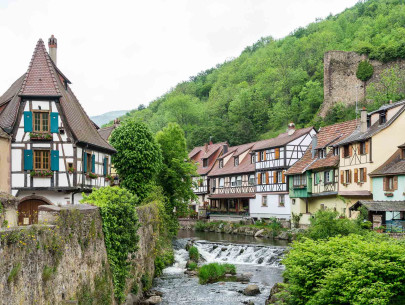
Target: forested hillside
[{"x": 276, "y": 81}]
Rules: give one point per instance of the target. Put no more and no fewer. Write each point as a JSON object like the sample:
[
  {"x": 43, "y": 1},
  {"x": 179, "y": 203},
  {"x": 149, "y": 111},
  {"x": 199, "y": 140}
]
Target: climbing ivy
[
  {"x": 364, "y": 71},
  {"x": 120, "y": 225}
]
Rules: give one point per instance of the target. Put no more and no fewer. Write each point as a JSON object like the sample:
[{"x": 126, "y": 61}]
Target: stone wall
[
  {"x": 8, "y": 210},
  {"x": 340, "y": 81}
]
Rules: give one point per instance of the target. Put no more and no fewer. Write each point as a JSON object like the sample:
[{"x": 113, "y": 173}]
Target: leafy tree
[
  {"x": 175, "y": 175},
  {"x": 364, "y": 71},
  {"x": 120, "y": 225},
  {"x": 138, "y": 158}
]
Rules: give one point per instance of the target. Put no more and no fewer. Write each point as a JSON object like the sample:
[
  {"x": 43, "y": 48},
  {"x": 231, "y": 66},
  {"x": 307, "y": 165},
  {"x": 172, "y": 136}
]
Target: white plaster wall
[
  {"x": 41, "y": 182},
  {"x": 273, "y": 209},
  {"x": 16, "y": 155},
  {"x": 44, "y": 105},
  {"x": 17, "y": 180}
]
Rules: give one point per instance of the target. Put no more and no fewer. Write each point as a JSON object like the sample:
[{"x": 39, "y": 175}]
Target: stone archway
[{"x": 28, "y": 210}]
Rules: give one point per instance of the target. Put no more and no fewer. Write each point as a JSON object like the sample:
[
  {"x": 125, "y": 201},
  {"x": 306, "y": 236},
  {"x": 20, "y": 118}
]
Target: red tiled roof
[
  {"x": 393, "y": 166},
  {"x": 281, "y": 139},
  {"x": 328, "y": 135},
  {"x": 210, "y": 152},
  {"x": 329, "y": 161}
]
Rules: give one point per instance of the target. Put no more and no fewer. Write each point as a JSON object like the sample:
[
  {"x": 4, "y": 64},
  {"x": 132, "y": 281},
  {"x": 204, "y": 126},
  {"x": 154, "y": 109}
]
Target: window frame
[
  {"x": 251, "y": 179},
  {"x": 205, "y": 162},
  {"x": 221, "y": 185},
  {"x": 221, "y": 163},
  {"x": 281, "y": 200},
  {"x": 41, "y": 129},
  {"x": 301, "y": 179},
  {"x": 362, "y": 150},
  {"x": 336, "y": 151},
  {"x": 346, "y": 151},
  {"x": 361, "y": 175},
  {"x": 390, "y": 183},
  {"x": 89, "y": 162},
  {"x": 382, "y": 118},
  {"x": 262, "y": 155},
  {"x": 42, "y": 151},
  {"x": 233, "y": 181},
  {"x": 264, "y": 201},
  {"x": 236, "y": 161},
  {"x": 252, "y": 158},
  {"x": 239, "y": 180},
  {"x": 347, "y": 176},
  {"x": 279, "y": 177}
]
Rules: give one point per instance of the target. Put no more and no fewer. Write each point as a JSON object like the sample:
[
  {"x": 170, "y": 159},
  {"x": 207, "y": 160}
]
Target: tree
[
  {"x": 138, "y": 158},
  {"x": 364, "y": 71},
  {"x": 176, "y": 174}
]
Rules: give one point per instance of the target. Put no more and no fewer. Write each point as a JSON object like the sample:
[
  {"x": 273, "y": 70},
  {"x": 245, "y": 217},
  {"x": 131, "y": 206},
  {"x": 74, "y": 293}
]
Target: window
[
  {"x": 41, "y": 121},
  {"x": 41, "y": 159},
  {"x": 321, "y": 153},
  {"x": 368, "y": 121},
  {"x": 264, "y": 201},
  {"x": 88, "y": 165},
  {"x": 251, "y": 179},
  {"x": 348, "y": 176},
  {"x": 390, "y": 183},
  {"x": 205, "y": 162},
  {"x": 327, "y": 177},
  {"x": 403, "y": 153},
  {"x": 221, "y": 163},
  {"x": 362, "y": 148},
  {"x": 262, "y": 155},
  {"x": 293, "y": 202},
  {"x": 214, "y": 184},
  {"x": 362, "y": 177},
  {"x": 239, "y": 181},
  {"x": 281, "y": 200},
  {"x": 236, "y": 161},
  {"x": 263, "y": 177},
  {"x": 383, "y": 118},
  {"x": 336, "y": 151},
  {"x": 221, "y": 182},
  {"x": 233, "y": 181},
  {"x": 279, "y": 177},
  {"x": 346, "y": 151},
  {"x": 252, "y": 158},
  {"x": 299, "y": 180}
]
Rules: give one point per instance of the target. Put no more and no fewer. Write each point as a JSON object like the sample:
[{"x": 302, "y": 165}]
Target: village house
[
  {"x": 56, "y": 151},
  {"x": 314, "y": 179},
  {"x": 273, "y": 157},
  {"x": 388, "y": 205},
  {"x": 204, "y": 157},
  {"x": 232, "y": 183},
  {"x": 377, "y": 136}
]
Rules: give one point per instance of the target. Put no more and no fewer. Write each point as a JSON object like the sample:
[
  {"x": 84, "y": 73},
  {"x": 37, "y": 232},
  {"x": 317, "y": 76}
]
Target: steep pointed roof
[
  {"x": 40, "y": 79},
  {"x": 44, "y": 79}
]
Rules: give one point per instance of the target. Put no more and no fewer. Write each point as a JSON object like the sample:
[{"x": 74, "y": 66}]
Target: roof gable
[{"x": 40, "y": 78}]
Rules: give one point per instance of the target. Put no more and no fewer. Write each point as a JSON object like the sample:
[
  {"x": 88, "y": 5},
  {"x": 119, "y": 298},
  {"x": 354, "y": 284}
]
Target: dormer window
[
  {"x": 252, "y": 158},
  {"x": 368, "y": 121},
  {"x": 221, "y": 163},
  {"x": 383, "y": 118},
  {"x": 321, "y": 153},
  {"x": 205, "y": 162},
  {"x": 336, "y": 151},
  {"x": 236, "y": 161},
  {"x": 403, "y": 153}
]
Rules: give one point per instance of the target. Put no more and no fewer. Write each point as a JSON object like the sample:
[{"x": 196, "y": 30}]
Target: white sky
[{"x": 119, "y": 54}]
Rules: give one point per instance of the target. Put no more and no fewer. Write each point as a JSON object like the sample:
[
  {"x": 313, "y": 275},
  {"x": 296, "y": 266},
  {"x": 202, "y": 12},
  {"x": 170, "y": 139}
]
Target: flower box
[
  {"x": 40, "y": 136},
  {"x": 71, "y": 170},
  {"x": 389, "y": 194},
  {"x": 109, "y": 178},
  {"x": 92, "y": 176},
  {"x": 41, "y": 174}
]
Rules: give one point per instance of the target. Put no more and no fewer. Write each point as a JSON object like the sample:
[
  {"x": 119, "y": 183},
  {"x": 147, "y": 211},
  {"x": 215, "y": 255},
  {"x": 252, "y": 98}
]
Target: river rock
[
  {"x": 282, "y": 235},
  {"x": 191, "y": 272},
  {"x": 153, "y": 300},
  {"x": 251, "y": 290},
  {"x": 259, "y": 233},
  {"x": 153, "y": 292},
  {"x": 244, "y": 277},
  {"x": 273, "y": 299},
  {"x": 131, "y": 299},
  {"x": 224, "y": 248}
]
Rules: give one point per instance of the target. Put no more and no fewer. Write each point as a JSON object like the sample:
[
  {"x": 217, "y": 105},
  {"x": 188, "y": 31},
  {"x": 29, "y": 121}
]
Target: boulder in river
[
  {"x": 283, "y": 235},
  {"x": 259, "y": 233},
  {"x": 251, "y": 290},
  {"x": 153, "y": 300}
]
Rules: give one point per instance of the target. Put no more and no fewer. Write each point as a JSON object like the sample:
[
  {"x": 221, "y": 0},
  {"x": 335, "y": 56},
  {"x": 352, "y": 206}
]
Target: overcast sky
[{"x": 119, "y": 54}]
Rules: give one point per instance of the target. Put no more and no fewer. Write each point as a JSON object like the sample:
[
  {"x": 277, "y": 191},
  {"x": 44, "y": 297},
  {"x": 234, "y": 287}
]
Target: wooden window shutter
[
  {"x": 366, "y": 146},
  {"x": 342, "y": 177},
  {"x": 84, "y": 162},
  {"x": 93, "y": 163},
  {"x": 267, "y": 177},
  {"x": 105, "y": 169},
  {"x": 277, "y": 153},
  {"x": 356, "y": 175},
  {"x": 54, "y": 122},
  {"x": 385, "y": 182},
  {"x": 350, "y": 150},
  {"x": 259, "y": 178},
  {"x": 350, "y": 176},
  {"x": 365, "y": 174},
  {"x": 395, "y": 182},
  {"x": 28, "y": 159},
  {"x": 274, "y": 177},
  {"x": 258, "y": 156},
  {"x": 54, "y": 160},
  {"x": 264, "y": 155},
  {"x": 27, "y": 121},
  {"x": 283, "y": 176}
]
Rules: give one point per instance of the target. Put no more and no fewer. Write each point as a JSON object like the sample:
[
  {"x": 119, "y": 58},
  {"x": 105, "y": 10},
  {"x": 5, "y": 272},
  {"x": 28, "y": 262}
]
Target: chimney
[
  {"x": 206, "y": 147},
  {"x": 291, "y": 128},
  {"x": 314, "y": 145},
  {"x": 363, "y": 120},
  {"x": 225, "y": 149},
  {"x": 52, "y": 44}
]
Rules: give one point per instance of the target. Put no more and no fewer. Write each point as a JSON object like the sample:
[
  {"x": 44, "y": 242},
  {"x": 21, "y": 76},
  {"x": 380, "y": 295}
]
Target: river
[{"x": 259, "y": 257}]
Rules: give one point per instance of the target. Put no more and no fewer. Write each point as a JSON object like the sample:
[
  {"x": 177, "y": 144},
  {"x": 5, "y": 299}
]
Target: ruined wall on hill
[{"x": 340, "y": 81}]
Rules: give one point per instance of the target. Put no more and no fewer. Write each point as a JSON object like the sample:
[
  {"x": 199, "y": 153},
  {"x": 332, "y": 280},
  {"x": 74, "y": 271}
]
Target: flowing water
[{"x": 258, "y": 257}]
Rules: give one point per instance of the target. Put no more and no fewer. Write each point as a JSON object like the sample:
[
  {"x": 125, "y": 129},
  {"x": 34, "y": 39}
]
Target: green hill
[{"x": 276, "y": 81}]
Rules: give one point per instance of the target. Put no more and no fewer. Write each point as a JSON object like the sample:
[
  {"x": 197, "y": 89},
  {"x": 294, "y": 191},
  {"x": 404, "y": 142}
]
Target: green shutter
[
  {"x": 93, "y": 163},
  {"x": 28, "y": 159},
  {"x": 27, "y": 121},
  {"x": 331, "y": 176},
  {"x": 54, "y": 122},
  {"x": 84, "y": 162},
  {"x": 105, "y": 166},
  {"x": 316, "y": 178},
  {"x": 55, "y": 160}
]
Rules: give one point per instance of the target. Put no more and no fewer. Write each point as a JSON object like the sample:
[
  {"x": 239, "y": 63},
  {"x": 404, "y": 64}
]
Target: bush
[
  {"x": 194, "y": 254},
  {"x": 326, "y": 223},
  {"x": 200, "y": 226},
  {"x": 364, "y": 71},
  {"x": 120, "y": 226},
  {"x": 163, "y": 260},
  {"x": 192, "y": 266},
  {"x": 353, "y": 269},
  {"x": 214, "y": 272}
]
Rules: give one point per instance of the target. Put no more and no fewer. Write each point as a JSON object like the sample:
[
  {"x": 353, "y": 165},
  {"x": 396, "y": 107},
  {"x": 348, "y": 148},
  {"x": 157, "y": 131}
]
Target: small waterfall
[{"x": 240, "y": 254}]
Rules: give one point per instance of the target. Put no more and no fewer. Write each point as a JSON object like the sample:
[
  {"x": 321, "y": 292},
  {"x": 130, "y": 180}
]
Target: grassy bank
[{"x": 215, "y": 272}]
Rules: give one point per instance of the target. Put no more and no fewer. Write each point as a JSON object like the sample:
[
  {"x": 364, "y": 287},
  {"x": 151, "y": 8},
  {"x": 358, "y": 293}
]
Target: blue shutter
[
  {"x": 105, "y": 172},
  {"x": 28, "y": 159},
  {"x": 55, "y": 160},
  {"x": 84, "y": 162},
  {"x": 54, "y": 122},
  {"x": 27, "y": 121},
  {"x": 93, "y": 163}
]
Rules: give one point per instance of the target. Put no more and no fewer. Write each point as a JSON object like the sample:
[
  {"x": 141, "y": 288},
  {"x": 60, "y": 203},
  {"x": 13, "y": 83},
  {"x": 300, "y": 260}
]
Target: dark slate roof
[
  {"x": 42, "y": 79},
  {"x": 393, "y": 166},
  {"x": 106, "y": 132},
  {"x": 3, "y": 134},
  {"x": 380, "y": 206},
  {"x": 281, "y": 139},
  {"x": 358, "y": 136},
  {"x": 388, "y": 106}
]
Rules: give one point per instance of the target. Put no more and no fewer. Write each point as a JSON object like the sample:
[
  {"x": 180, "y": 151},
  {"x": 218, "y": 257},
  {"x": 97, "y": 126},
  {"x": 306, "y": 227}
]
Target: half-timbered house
[
  {"x": 272, "y": 158},
  {"x": 313, "y": 180},
  {"x": 232, "y": 183},
  {"x": 56, "y": 151},
  {"x": 204, "y": 157},
  {"x": 377, "y": 136}
]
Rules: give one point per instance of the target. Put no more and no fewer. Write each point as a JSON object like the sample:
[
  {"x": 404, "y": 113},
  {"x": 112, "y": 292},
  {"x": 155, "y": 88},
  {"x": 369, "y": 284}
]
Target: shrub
[
  {"x": 353, "y": 269},
  {"x": 163, "y": 260},
  {"x": 47, "y": 273},
  {"x": 200, "y": 226},
  {"x": 12, "y": 277},
  {"x": 364, "y": 71},
  {"x": 192, "y": 266},
  {"x": 214, "y": 272},
  {"x": 194, "y": 254}
]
